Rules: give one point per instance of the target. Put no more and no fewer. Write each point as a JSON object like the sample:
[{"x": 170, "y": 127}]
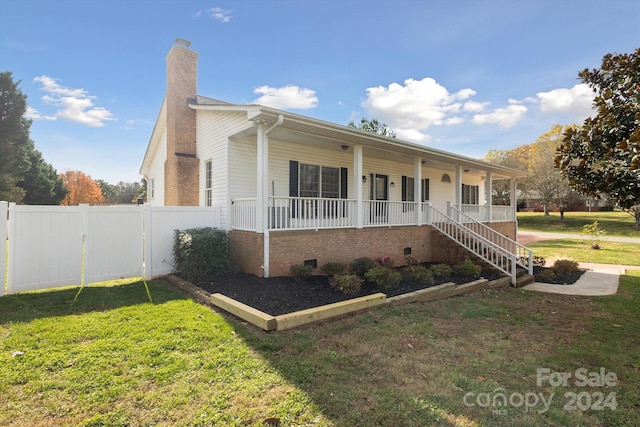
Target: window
[
  {"x": 208, "y": 183},
  {"x": 315, "y": 181},
  {"x": 408, "y": 189},
  {"x": 470, "y": 194}
]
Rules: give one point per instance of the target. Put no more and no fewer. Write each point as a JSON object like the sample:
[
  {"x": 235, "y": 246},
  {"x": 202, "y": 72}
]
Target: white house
[{"x": 293, "y": 189}]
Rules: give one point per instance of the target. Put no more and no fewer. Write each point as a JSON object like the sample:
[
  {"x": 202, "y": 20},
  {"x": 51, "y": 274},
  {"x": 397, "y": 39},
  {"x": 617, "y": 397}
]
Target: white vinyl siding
[
  {"x": 212, "y": 133},
  {"x": 156, "y": 172}
]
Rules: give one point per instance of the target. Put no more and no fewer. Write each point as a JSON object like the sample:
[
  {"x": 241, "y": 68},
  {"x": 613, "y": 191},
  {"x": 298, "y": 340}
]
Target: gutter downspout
[{"x": 265, "y": 193}]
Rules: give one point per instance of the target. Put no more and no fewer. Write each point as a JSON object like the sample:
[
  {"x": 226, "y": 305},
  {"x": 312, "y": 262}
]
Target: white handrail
[
  {"x": 524, "y": 255},
  {"x": 487, "y": 250}
]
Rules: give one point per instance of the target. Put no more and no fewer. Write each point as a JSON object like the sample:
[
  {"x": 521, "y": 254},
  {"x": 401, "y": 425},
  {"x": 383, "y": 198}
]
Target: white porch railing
[
  {"x": 487, "y": 250},
  {"x": 499, "y": 213},
  {"x": 383, "y": 213},
  {"x": 243, "y": 214},
  {"x": 298, "y": 213},
  {"x": 524, "y": 255}
]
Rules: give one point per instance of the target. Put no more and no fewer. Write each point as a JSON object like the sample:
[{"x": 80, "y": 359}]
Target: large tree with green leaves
[
  {"x": 14, "y": 138},
  {"x": 373, "y": 126},
  {"x": 24, "y": 175},
  {"x": 603, "y": 155}
]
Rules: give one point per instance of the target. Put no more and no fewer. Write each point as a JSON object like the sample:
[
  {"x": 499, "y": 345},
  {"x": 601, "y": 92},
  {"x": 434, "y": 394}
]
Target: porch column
[
  {"x": 513, "y": 199},
  {"x": 357, "y": 179},
  {"x": 417, "y": 188},
  {"x": 262, "y": 167},
  {"x": 488, "y": 194},
  {"x": 459, "y": 186}
]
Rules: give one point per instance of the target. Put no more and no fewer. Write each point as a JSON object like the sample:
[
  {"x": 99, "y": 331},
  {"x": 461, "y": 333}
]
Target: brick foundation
[{"x": 344, "y": 245}]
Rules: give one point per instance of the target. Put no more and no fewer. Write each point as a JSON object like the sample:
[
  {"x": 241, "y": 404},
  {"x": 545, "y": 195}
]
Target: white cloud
[
  {"x": 504, "y": 117},
  {"x": 412, "y": 108},
  {"x": 217, "y": 13},
  {"x": 576, "y": 101},
  {"x": 33, "y": 114},
  {"x": 286, "y": 97},
  {"x": 474, "y": 107},
  {"x": 72, "y": 104}
]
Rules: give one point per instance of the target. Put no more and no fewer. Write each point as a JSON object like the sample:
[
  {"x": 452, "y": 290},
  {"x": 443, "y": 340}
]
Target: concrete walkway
[{"x": 600, "y": 279}]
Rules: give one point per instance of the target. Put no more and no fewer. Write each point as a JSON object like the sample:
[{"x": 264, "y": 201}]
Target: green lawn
[
  {"x": 615, "y": 223},
  {"x": 580, "y": 250},
  {"x": 113, "y": 358}
]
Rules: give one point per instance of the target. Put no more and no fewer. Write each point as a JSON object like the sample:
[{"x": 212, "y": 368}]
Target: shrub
[
  {"x": 468, "y": 269},
  {"x": 418, "y": 273},
  {"x": 201, "y": 253},
  {"x": 386, "y": 261},
  {"x": 332, "y": 269},
  {"x": 360, "y": 266},
  {"x": 300, "y": 272},
  {"x": 545, "y": 276},
  {"x": 348, "y": 283},
  {"x": 383, "y": 277},
  {"x": 441, "y": 270},
  {"x": 564, "y": 267},
  {"x": 539, "y": 261},
  {"x": 411, "y": 260}
]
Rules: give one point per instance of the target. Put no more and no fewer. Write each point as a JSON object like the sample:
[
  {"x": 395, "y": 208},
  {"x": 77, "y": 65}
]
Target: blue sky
[{"x": 463, "y": 76}]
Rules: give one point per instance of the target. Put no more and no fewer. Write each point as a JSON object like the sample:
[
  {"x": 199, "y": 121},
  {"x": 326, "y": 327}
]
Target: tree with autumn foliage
[{"x": 82, "y": 189}]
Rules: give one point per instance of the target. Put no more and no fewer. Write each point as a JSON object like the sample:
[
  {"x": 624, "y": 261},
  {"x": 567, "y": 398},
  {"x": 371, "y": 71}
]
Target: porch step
[{"x": 524, "y": 279}]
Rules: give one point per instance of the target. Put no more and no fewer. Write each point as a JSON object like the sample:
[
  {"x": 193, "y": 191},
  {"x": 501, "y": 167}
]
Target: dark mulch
[
  {"x": 565, "y": 279},
  {"x": 282, "y": 295}
]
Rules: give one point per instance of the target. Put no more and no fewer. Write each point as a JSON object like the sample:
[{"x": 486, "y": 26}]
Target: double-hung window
[
  {"x": 408, "y": 191},
  {"x": 470, "y": 194},
  {"x": 208, "y": 183}
]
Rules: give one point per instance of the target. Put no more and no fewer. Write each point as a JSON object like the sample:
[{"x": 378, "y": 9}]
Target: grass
[
  {"x": 113, "y": 358},
  {"x": 616, "y": 223},
  {"x": 580, "y": 250}
]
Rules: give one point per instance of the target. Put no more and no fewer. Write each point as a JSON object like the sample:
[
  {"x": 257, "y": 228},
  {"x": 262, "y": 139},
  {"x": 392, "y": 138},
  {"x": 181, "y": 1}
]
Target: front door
[{"x": 379, "y": 195}]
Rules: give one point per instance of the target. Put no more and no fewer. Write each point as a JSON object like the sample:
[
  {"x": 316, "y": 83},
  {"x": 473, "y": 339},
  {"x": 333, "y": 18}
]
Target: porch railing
[
  {"x": 482, "y": 213},
  {"x": 303, "y": 213},
  {"x": 459, "y": 232},
  {"x": 524, "y": 255}
]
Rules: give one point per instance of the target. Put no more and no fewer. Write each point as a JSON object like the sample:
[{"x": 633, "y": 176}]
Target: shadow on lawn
[{"x": 25, "y": 307}]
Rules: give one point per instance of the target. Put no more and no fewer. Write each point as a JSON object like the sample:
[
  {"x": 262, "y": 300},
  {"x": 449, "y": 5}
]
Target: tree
[
  {"x": 373, "y": 126},
  {"x": 121, "y": 193},
  {"x": 515, "y": 158},
  {"x": 41, "y": 183},
  {"x": 603, "y": 155},
  {"x": 82, "y": 189},
  {"x": 545, "y": 181},
  {"x": 14, "y": 138}
]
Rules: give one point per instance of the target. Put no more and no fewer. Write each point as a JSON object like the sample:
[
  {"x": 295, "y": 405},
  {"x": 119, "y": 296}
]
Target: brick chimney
[{"x": 181, "y": 169}]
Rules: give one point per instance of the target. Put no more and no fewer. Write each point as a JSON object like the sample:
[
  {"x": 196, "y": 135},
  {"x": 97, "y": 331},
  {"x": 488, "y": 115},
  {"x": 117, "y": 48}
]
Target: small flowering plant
[{"x": 386, "y": 261}]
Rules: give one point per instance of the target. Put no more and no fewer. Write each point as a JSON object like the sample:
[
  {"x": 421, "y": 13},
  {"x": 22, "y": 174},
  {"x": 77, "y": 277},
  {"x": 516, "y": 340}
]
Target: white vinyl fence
[{"x": 51, "y": 246}]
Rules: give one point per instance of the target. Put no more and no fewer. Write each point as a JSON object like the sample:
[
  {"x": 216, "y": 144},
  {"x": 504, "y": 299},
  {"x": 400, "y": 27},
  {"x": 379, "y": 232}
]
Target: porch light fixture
[
  {"x": 344, "y": 147},
  {"x": 466, "y": 170},
  {"x": 393, "y": 184},
  {"x": 364, "y": 178}
]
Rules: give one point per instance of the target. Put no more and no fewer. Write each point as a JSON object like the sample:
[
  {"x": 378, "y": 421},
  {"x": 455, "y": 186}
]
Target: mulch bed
[
  {"x": 282, "y": 295},
  {"x": 566, "y": 279}
]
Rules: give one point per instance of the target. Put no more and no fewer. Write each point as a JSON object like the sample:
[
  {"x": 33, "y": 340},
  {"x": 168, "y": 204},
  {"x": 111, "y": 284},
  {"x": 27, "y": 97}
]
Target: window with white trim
[
  {"x": 208, "y": 183},
  {"x": 470, "y": 194}
]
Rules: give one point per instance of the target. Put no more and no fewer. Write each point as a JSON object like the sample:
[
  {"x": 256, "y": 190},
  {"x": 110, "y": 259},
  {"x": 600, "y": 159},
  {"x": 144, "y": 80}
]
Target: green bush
[
  {"x": 418, "y": 273},
  {"x": 332, "y": 269},
  {"x": 201, "y": 253},
  {"x": 348, "y": 283},
  {"x": 539, "y": 261},
  {"x": 383, "y": 277},
  {"x": 300, "y": 272},
  {"x": 545, "y": 276},
  {"x": 360, "y": 266},
  {"x": 564, "y": 267},
  {"x": 441, "y": 270},
  {"x": 468, "y": 269}
]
